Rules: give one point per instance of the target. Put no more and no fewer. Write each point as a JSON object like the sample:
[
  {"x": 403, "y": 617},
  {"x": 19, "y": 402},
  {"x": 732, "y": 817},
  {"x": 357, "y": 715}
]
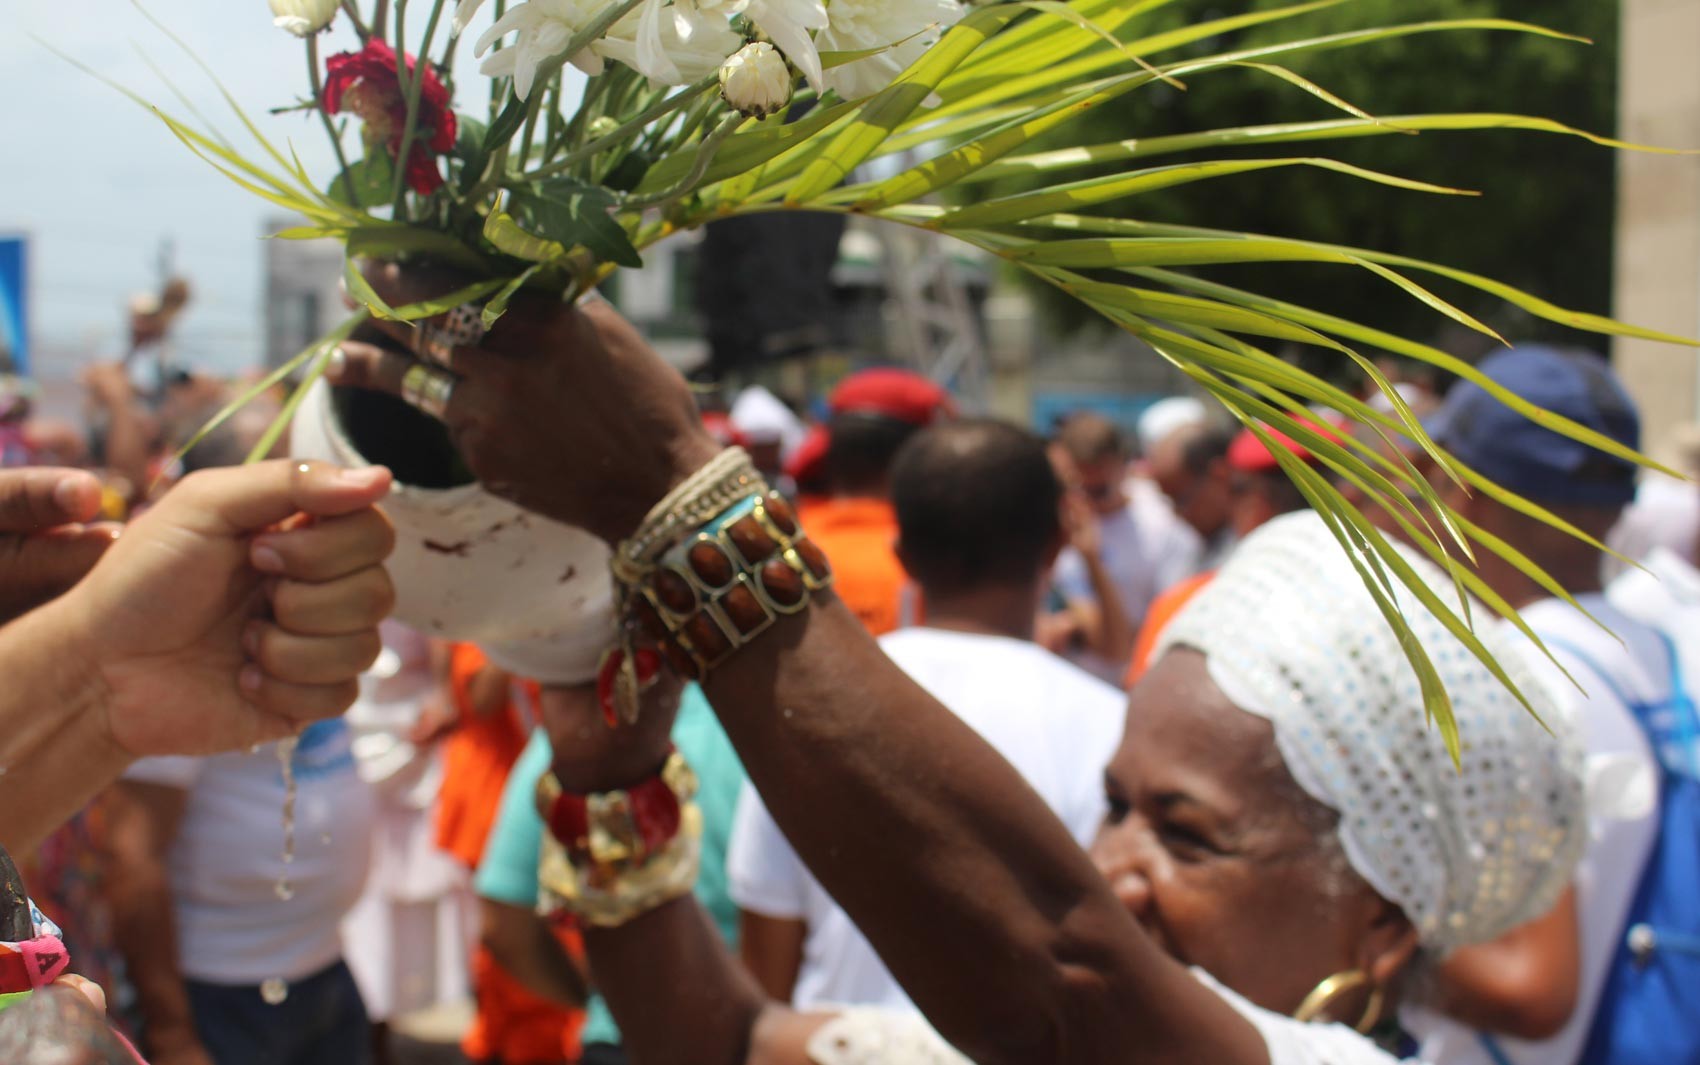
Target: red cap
[
  {"x": 719, "y": 426},
  {"x": 1248, "y": 454},
  {"x": 807, "y": 465},
  {"x": 901, "y": 395}
]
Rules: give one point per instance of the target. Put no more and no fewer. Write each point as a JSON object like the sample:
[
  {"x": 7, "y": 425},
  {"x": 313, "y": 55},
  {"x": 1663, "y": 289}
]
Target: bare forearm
[
  {"x": 772, "y": 950},
  {"x": 679, "y": 995},
  {"x": 145, "y": 931},
  {"x": 876, "y": 784},
  {"x": 1112, "y": 632},
  {"x": 1524, "y": 984},
  {"x": 56, "y": 753},
  {"x": 525, "y": 946},
  {"x": 127, "y": 446}
]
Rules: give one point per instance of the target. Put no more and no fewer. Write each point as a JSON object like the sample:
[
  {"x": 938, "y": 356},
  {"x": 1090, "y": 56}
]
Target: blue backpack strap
[
  {"x": 1594, "y": 667},
  {"x": 1647, "y": 1008},
  {"x": 1493, "y": 1049},
  {"x": 1682, "y": 706}
]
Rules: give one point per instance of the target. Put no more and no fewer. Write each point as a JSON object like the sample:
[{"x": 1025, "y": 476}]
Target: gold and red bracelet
[
  {"x": 628, "y": 825},
  {"x": 611, "y": 856}
]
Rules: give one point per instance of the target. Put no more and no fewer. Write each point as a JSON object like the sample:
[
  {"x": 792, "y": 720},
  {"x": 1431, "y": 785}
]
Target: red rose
[{"x": 364, "y": 83}]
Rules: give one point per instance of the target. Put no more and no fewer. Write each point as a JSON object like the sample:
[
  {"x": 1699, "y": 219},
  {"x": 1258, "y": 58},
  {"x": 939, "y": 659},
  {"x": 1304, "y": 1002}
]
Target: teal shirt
[{"x": 508, "y": 871}]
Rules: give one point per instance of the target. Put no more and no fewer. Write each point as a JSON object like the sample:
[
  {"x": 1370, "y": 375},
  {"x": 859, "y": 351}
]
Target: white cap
[
  {"x": 764, "y": 419},
  {"x": 1164, "y": 417}
]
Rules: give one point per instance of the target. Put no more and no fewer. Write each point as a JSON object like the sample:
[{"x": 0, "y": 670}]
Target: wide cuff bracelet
[{"x": 725, "y": 584}]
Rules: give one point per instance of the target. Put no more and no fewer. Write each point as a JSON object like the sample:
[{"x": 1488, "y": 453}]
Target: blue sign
[
  {"x": 14, "y": 302},
  {"x": 1123, "y": 409}
]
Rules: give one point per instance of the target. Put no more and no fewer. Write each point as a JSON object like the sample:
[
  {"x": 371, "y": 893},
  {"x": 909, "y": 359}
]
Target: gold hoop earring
[{"x": 1324, "y": 994}]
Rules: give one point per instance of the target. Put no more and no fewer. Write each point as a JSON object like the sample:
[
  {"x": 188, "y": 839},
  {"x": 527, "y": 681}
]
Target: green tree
[{"x": 1543, "y": 221}]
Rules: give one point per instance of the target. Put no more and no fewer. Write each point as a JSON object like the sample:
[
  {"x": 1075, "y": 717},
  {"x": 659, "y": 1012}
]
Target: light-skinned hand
[{"x": 243, "y": 606}]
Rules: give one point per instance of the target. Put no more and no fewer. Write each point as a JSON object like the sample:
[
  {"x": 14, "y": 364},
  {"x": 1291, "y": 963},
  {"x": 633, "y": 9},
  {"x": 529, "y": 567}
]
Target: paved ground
[{"x": 431, "y": 1037}]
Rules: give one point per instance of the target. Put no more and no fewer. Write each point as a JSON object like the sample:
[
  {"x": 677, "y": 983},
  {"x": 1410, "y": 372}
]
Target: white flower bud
[
  {"x": 303, "y": 17},
  {"x": 756, "y": 80}
]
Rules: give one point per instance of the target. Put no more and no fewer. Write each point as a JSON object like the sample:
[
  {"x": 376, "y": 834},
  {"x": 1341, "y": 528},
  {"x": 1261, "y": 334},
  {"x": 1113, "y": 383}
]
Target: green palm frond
[{"x": 993, "y": 100}]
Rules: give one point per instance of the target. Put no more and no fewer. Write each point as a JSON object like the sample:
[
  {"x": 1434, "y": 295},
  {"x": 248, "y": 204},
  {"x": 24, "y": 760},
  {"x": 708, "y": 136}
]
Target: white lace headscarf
[{"x": 1290, "y": 634}]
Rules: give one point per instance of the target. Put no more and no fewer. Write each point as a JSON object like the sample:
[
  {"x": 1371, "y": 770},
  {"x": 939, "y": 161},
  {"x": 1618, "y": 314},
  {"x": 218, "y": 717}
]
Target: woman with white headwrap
[
  {"x": 1282, "y": 822},
  {"x": 1287, "y": 844}
]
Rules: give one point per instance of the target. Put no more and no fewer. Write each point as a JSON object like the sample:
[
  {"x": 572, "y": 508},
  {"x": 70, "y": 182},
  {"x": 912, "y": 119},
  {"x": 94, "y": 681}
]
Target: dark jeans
[
  {"x": 322, "y": 1022},
  {"x": 602, "y": 1054}
]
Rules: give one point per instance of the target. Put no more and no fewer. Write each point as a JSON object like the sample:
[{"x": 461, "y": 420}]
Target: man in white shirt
[
  {"x": 1552, "y": 982},
  {"x": 1190, "y": 466},
  {"x": 1140, "y": 548},
  {"x": 236, "y": 953},
  {"x": 977, "y": 506}
]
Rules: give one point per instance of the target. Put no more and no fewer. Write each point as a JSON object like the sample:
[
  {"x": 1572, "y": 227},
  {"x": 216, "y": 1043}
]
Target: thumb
[
  {"x": 245, "y": 499},
  {"x": 34, "y": 500}
]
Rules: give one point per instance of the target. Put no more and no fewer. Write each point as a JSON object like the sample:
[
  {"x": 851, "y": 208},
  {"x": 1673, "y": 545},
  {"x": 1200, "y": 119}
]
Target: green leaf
[
  {"x": 394, "y": 241},
  {"x": 883, "y": 112},
  {"x": 1285, "y": 133},
  {"x": 268, "y": 440},
  {"x": 573, "y": 214},
  {"x": 955, "y": 164},
  {"x": 502, "y": 231},
  {"x": 498, "y": 304},
  {"x": 271, "y": 380},
  {"x": 370, "y": 178},
  {"x": 1088, "y": 192},
  {"x": 469, "y": 141}
]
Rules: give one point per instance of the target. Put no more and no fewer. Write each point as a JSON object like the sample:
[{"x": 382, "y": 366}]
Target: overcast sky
[{"x": 98, "y": 183}]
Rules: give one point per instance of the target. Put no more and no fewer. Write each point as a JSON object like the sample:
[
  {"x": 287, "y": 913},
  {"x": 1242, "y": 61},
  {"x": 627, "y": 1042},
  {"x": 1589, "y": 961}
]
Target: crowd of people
[{"x": 923, "y": 737}]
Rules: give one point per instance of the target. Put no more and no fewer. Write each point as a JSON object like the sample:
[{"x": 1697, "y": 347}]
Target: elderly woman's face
[{"x": 1209, "y": 846}]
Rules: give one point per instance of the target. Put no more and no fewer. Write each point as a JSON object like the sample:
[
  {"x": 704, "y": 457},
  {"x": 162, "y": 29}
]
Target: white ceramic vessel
[{"x": 534, "y": 594}]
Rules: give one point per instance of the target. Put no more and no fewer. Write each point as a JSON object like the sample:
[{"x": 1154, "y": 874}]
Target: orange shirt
[
  {"x": 514, "y": 1026},
  {"x": 859, "y": 537},
  {"x": 476, "y": 758},
  {"x": 1163, "y": 610}
]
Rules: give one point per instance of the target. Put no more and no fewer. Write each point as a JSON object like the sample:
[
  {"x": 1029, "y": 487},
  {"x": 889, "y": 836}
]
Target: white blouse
[{"x": 893, "y": 1037}]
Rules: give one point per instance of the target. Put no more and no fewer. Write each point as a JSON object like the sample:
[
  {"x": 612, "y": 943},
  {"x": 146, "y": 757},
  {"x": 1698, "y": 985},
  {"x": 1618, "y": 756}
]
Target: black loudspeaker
[{"x": 764, "y": 287}]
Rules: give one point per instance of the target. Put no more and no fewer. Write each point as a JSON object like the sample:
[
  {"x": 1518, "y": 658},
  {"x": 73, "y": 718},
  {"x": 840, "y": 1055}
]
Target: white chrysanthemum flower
[
  {"x": 303, "y": 17},
  {"x": 790, "y": 24},
  {"x": 904, "y": 28},
  {"x": 543, "y": 29},
  {"x": 756, "y": 80},
  {"x": 650, "y": 41},
  {"x": 464, "y": 11}
]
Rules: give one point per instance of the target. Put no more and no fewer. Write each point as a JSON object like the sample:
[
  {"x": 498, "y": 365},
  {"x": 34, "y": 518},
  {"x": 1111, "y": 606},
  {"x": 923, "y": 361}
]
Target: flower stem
[
  {"x": 324, "y": 116},
  {"x": 552, "y": 118},
  {"x": 532, "y": 109},
  {"x": 414, "y": 88},
  {"x": 705, "y": 156},
  {"x": 631, "y": 128},
  {"x": 353, "y": 14},
  {"x": 501, "y": 9}
]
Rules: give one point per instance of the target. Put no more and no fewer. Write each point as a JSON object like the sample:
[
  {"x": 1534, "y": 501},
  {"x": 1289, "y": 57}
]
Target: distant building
[{"x": 303, "y": 300}]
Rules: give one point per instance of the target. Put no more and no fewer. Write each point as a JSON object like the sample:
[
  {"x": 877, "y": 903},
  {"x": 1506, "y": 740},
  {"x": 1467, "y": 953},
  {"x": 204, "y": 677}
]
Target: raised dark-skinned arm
[{"x": 977, "y": 898}]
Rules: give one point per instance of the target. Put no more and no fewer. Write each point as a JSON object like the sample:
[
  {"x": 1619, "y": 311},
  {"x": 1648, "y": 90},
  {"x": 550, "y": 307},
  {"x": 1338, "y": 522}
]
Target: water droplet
[
  {"x": 274, "y": 991},
  {"x": 286, "y": 764}
]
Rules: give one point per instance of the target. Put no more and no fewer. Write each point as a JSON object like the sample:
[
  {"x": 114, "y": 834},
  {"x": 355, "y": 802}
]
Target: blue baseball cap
[{"x": 1532, "y": 460}]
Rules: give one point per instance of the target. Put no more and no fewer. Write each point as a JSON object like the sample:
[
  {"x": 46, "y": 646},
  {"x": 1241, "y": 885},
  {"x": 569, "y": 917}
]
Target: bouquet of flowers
[{"x": 694, "y": 110}]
